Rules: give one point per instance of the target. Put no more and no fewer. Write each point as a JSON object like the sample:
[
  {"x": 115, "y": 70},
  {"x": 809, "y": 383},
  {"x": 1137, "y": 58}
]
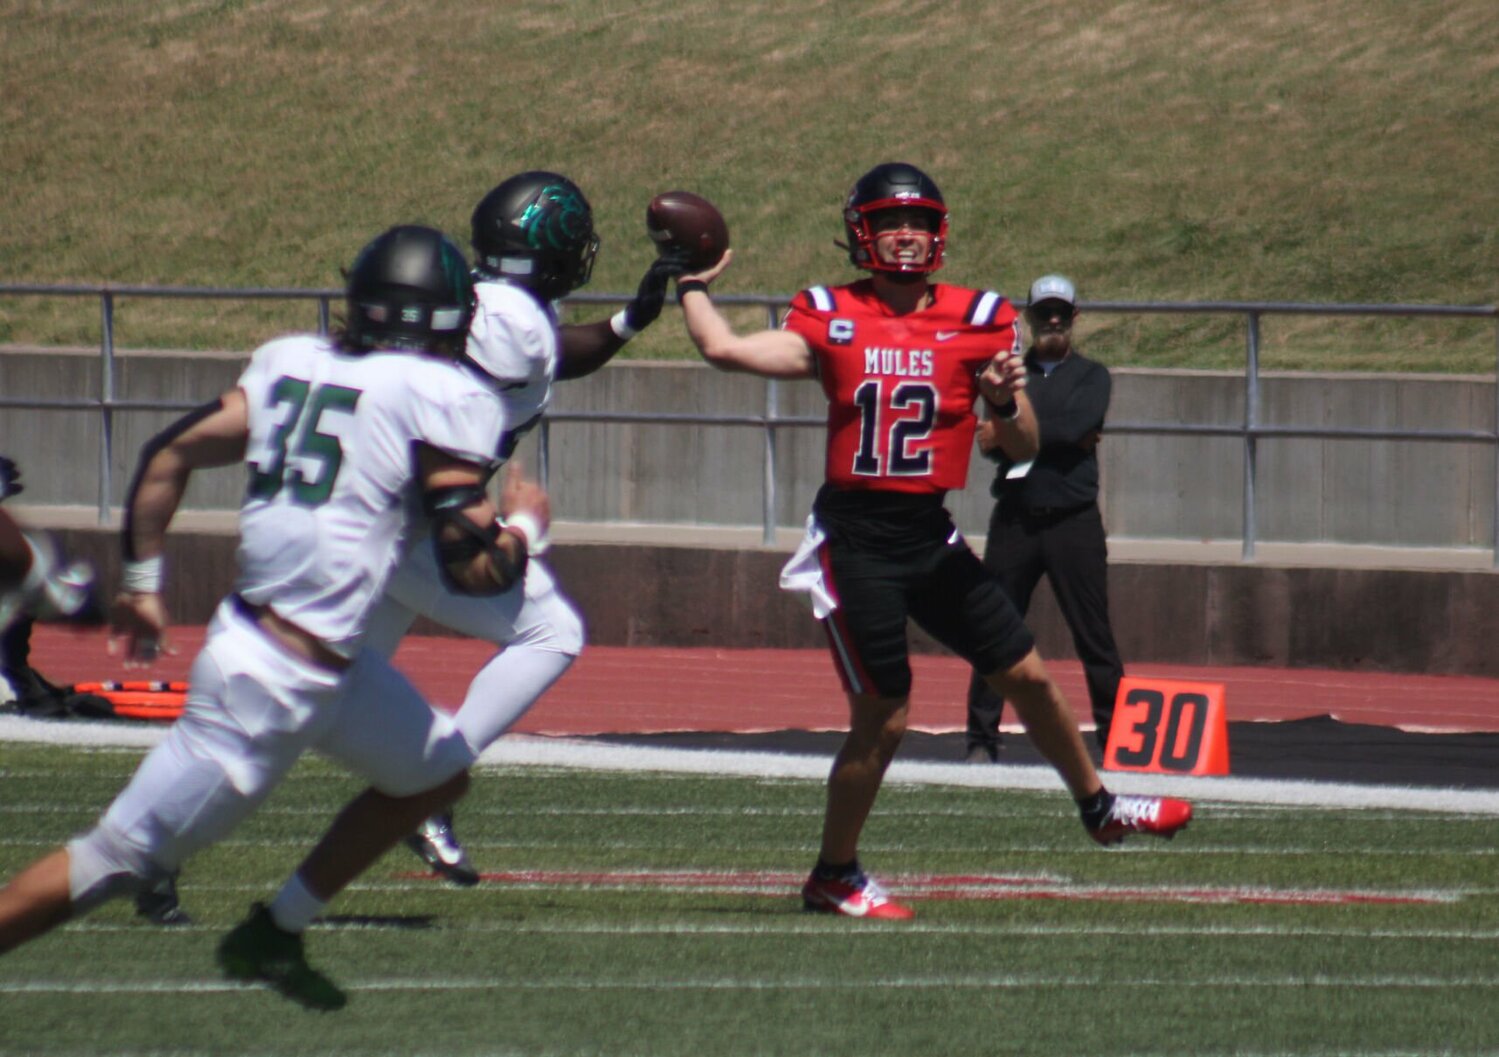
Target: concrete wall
[
  {"x": 1405, "y": 620},
  {"x": 653, "y": 590},
  {"x": 1402, "y": 493}
]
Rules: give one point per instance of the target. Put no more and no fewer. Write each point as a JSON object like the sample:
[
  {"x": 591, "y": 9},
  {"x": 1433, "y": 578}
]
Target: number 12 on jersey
[{"x": 886, "y": 447}]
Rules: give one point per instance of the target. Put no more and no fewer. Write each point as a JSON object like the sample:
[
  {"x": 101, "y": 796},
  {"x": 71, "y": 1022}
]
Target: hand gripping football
[{"x": 683, "y": 220}]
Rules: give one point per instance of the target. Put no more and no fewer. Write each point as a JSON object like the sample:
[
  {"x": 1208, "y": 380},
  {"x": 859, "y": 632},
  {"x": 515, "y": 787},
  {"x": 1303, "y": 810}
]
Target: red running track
[{"x": 627, "y": 690}]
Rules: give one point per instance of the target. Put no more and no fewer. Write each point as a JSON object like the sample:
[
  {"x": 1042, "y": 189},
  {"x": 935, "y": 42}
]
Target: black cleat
[
  {"x": 258, "y": 950},
  {"x": 159, "y": 903}
]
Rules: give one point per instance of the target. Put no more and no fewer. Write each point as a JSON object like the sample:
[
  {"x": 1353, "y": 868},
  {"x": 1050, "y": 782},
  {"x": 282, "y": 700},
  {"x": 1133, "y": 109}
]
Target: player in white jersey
[
  {"x": 346, "y": 440},
  {"x": 534, "y": 242}
]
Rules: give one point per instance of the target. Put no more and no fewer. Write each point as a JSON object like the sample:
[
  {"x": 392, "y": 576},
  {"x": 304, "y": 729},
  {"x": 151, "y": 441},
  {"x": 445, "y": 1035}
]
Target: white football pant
[
  {"x": 252, "y": 709},
  {"x": 538, "y": 631}
]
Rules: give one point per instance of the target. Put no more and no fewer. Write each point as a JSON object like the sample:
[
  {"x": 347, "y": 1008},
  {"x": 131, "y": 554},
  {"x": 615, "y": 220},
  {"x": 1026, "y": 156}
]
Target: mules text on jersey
[{"x": 905, "y": 363}]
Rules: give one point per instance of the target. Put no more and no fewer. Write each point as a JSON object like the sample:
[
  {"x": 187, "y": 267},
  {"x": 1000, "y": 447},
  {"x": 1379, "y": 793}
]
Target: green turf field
[{"x": 653, "y": 915}]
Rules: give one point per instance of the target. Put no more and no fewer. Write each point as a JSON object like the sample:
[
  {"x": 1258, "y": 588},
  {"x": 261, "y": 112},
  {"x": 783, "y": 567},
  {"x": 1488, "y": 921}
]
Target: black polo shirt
[{"x": 1070, "y": 405}]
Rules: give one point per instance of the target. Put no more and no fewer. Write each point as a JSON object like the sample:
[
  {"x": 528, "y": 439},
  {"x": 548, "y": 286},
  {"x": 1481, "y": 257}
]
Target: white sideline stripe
[
  {"x": 556, "y": 752},
  {"x": 907, "y": 983},
  {"x": 79, "y": 733},
  {"x": 523, "y": 750},
  {"x": 796, "y": 927}
]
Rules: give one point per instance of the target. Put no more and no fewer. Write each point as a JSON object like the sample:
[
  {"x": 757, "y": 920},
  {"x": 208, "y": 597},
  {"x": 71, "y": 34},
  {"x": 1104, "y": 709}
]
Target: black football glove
[
  {"x": 10, "y": 475},
  {"x": 642, "y": 312}
]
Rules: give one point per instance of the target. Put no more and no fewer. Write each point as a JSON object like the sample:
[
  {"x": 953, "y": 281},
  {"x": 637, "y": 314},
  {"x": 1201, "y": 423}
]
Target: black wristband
[
  {"x": 686, "y": 286},
  {"x": 1009, "y": 410}
]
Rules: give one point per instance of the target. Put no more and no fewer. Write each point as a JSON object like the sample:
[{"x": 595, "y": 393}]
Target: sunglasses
[{"x": 1048, "y": 309}]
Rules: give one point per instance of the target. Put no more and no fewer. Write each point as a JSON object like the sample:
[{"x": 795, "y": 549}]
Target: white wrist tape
[
  {"x": 142, "y": 577},
  {"x": 528, "y": 526},
  {"x": 619, "y": 323}
]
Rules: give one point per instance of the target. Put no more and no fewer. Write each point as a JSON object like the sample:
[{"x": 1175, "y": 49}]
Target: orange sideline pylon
[{"x": 1169, "y": 727}]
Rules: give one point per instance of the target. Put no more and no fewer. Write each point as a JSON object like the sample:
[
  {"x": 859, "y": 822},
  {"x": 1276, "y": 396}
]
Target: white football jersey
[
  {"x": 333, "y": 471},
  {"x": 513, "y": 339}
]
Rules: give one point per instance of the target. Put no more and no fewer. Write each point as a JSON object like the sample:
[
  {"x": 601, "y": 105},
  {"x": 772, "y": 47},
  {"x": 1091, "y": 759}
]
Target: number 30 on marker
[{"x": 1168, "y": 727}]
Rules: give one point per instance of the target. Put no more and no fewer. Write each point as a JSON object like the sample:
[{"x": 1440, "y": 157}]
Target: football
[{"x": 683, "y": 220}]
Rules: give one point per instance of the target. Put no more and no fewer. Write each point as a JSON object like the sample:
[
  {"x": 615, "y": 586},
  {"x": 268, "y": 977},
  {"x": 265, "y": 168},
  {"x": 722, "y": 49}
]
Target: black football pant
[{"x": 1069, "y": 548}]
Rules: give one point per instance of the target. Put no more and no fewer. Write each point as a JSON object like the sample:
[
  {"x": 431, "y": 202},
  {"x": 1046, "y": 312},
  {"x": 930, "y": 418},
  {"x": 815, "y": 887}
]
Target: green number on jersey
[{"x": 267, "y": 477}]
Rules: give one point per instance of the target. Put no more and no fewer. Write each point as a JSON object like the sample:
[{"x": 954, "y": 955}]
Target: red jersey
[{"x": 901, "y": 388}]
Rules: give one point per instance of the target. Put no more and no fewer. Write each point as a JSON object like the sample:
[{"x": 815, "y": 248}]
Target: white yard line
[
  {"x": 969, "y": 982},
  {"x": 798, "y": 925}
]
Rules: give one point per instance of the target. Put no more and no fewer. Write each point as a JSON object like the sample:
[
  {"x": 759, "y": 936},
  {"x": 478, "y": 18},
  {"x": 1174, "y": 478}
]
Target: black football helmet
[
  {"x": 536, "y": 230},
  {"x": 890, "y": 186},
  {"x": 410, "y": 289}
]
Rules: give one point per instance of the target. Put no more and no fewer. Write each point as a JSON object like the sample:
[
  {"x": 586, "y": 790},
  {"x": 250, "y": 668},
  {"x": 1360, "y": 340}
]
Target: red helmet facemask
[{"x": 862, "y": 236}]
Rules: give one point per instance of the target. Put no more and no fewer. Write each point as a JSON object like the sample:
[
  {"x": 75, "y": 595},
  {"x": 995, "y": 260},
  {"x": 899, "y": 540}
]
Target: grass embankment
[{"x": 1328, "y": 151}]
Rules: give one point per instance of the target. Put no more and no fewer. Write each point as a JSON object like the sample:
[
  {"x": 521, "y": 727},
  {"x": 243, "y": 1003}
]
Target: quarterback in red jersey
[
  {"x": 901, "y": 388},
  {"x": 903, "y": 360}
]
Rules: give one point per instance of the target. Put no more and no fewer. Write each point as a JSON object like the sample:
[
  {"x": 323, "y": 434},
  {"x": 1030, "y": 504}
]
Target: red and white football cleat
[
  {"x": 860, "y": 896},
  {"x": 1159, "y": 816}
]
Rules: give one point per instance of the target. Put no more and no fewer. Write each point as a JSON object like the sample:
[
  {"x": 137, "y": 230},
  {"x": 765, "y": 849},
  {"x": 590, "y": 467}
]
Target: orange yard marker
[
  {"x": 1169, "y": 727},
  {"x": 139, "y": 698}
]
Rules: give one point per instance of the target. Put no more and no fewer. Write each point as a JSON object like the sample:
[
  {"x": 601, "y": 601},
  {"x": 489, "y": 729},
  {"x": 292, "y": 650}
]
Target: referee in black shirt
[{"x": 1046, "y": 519}]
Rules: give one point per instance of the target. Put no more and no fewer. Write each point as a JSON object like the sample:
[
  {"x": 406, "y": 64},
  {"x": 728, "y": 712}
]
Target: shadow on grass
[{"x": 378, "y": 921}]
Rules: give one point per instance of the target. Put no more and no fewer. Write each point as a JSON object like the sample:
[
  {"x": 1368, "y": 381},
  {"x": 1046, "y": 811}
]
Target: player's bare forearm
[
  {"x": 205, "y": 439},
  {"x": 709, "y": 331},
  {"x": 768, "y": 353},
  {"x": 154, "y": 504},
  {"x": 585, "y": 347}
]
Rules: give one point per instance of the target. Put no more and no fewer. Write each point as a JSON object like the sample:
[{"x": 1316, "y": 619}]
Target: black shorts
[{"x": 940, "y": 584}]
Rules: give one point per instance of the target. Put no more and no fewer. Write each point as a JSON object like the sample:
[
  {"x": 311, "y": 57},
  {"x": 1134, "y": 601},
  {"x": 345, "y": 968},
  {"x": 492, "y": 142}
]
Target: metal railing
[{"x": 1250, "y": 431}]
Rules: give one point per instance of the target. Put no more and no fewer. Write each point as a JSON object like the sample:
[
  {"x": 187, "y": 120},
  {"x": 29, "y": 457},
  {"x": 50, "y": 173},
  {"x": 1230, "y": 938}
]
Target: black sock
[
  {"x": 1095, "y": 808},
  {"x": 836, "y": 871}
]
